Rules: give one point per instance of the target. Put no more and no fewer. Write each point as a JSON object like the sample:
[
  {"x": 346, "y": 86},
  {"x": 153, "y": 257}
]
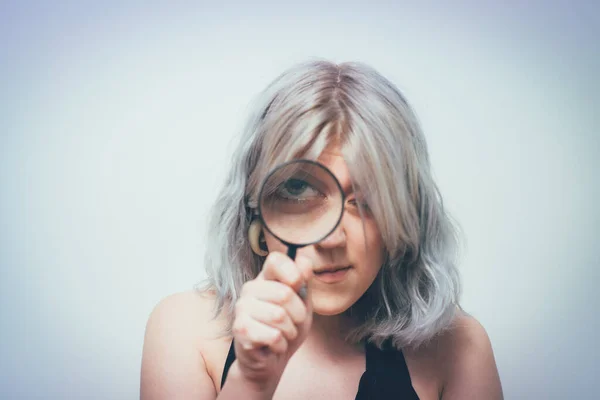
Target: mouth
[
  {"x": 331, "y": 274},
  {"x": 330, "y": 269}
]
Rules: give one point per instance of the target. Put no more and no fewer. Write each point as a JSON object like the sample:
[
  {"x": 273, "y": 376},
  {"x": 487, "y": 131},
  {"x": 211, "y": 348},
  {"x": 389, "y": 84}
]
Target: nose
[{"x": 336, "y": 238}]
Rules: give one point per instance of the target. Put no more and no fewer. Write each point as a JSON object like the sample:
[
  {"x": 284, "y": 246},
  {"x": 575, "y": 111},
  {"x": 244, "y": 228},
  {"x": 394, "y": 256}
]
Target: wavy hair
[{"x": 416, "y": 293}]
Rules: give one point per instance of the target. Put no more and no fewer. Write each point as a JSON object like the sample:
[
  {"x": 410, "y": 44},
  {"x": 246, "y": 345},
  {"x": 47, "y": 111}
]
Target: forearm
[{"x": 237, "y": 387}]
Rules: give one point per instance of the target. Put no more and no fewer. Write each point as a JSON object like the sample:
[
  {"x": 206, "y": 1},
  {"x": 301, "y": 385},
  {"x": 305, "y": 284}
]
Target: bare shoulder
[
  {"x": 465, "y": 331},
  {"x": 179, "y": 330},
  {"x": 186, "y": 317},
  {"x": 456, "y": 364},
  {"x": 468, "y": 365},
  {"x": 192, "y": 310}
]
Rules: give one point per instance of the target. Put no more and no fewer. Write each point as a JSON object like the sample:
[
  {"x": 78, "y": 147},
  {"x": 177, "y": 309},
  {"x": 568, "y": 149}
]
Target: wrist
[{"x": 249, "y": 389}]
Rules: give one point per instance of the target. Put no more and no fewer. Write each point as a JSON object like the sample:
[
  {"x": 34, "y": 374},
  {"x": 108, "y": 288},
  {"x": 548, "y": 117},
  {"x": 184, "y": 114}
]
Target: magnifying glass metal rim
[{"x": 277, "y": 168}]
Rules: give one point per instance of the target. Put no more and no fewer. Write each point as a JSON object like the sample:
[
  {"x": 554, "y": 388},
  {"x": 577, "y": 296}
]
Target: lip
[{"x": 331, "y": 274}]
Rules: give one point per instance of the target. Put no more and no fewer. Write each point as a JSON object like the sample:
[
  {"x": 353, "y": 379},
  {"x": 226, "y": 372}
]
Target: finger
[
  {"x": 270, "y": 314},
  {"x": 279, "y": 294},
  {"x": 254, "y": 335},
  {"x": 279, "y": 267},
  {"x": 305, "y": 266}
]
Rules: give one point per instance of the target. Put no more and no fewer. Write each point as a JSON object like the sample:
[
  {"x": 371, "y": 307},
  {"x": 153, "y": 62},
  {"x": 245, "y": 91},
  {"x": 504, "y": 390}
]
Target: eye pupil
[{"x": 295, "y": 186}]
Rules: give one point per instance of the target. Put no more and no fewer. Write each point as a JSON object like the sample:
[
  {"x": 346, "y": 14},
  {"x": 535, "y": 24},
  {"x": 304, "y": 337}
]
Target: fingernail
[{"x": 303, "y": 292}]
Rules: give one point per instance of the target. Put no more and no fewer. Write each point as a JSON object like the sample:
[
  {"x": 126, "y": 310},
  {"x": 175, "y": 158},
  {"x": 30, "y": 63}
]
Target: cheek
[
  {"x": 367, "y": 246},
  {"x": 274, "y": 244}
]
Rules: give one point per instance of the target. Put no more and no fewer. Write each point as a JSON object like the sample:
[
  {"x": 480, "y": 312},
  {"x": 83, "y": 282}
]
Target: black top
[{"x": 386, "y": 375}]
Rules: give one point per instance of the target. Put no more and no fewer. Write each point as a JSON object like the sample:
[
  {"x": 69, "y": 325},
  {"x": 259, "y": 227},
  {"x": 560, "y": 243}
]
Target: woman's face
[{"x": 348, "y": 260}]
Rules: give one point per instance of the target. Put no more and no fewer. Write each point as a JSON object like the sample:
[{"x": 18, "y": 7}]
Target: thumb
[{"x": 305, "y": 265}]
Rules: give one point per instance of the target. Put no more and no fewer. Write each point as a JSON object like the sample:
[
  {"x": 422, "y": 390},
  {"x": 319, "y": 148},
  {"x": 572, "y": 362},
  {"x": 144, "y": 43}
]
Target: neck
[{"x": 328, "y": 335}]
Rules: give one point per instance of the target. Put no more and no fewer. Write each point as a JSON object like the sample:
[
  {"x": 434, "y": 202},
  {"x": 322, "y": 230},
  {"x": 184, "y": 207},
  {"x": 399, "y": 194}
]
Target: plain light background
[{"x": 116, "y": 124}]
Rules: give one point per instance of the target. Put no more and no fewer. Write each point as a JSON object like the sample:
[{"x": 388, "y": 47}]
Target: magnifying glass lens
[{"x": 301, "y": 202}]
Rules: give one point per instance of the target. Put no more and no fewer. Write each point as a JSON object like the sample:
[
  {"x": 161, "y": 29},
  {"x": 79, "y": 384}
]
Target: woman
[{"x": 380, "y": 318}]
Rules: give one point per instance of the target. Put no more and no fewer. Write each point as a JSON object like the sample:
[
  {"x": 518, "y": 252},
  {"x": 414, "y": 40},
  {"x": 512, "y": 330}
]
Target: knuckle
[
  {"x": 286, "y": 294},
  {"x": 239, "y": 328},
  {"x": 279, "y": 257},
  {"x": 275, "y": 337},
  {"x": 279, "y": 315},
  {"x": 273, "y": 259},
  {"x": 281, "y": 344},
  {"x": 252, "y": 336},
  {"x": 294, "y": 277},
  {"x": 293, "y": 333},
  {"x": 297, "y": 280}
]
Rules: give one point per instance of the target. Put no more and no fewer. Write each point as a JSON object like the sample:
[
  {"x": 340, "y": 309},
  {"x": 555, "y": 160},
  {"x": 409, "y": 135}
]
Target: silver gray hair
[{"x": 416, "y": 293}]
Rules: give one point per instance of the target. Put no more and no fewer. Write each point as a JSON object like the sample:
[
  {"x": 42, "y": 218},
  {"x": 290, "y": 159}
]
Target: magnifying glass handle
[{"x": 292, "y": 251}]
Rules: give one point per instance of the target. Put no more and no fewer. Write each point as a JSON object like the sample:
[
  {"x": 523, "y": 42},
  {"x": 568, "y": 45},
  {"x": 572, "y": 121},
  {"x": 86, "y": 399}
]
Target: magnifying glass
[{"x": 300, "y": 203}]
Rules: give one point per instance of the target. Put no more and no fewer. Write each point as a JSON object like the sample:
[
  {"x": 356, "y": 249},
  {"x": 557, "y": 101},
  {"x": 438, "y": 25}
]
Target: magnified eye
[
  {"x": 301, "y": 202},
  {"x": 296, "y": 189}
]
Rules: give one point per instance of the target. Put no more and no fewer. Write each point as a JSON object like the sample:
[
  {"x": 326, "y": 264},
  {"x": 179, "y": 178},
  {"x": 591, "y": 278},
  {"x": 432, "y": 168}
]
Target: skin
[
  {"x": 355, "y": 242},
  {"x": 285, "y": 346}
]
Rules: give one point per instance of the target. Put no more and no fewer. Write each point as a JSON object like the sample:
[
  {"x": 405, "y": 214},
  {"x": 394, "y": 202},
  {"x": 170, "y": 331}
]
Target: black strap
[
  {"x": 230, "y": 359},
  {"x": 387, "y": 375}
]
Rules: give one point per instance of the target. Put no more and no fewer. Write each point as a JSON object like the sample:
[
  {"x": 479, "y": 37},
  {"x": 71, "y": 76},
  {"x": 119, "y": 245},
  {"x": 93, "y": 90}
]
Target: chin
[{"x": 329, "y": 305}]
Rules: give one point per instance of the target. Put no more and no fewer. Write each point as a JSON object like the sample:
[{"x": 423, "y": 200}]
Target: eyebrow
[{"x": 349, "y": 188}]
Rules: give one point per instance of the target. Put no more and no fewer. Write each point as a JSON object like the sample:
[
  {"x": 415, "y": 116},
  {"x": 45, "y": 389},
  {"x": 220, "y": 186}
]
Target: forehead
[{"x": 333, "y": 159}]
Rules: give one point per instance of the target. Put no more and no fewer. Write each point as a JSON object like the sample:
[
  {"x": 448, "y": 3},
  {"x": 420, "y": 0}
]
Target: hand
[{"x": 271, "y": 319}]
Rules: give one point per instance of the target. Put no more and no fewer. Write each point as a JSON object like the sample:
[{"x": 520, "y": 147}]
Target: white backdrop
[{"x": 115, "y": 130}]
